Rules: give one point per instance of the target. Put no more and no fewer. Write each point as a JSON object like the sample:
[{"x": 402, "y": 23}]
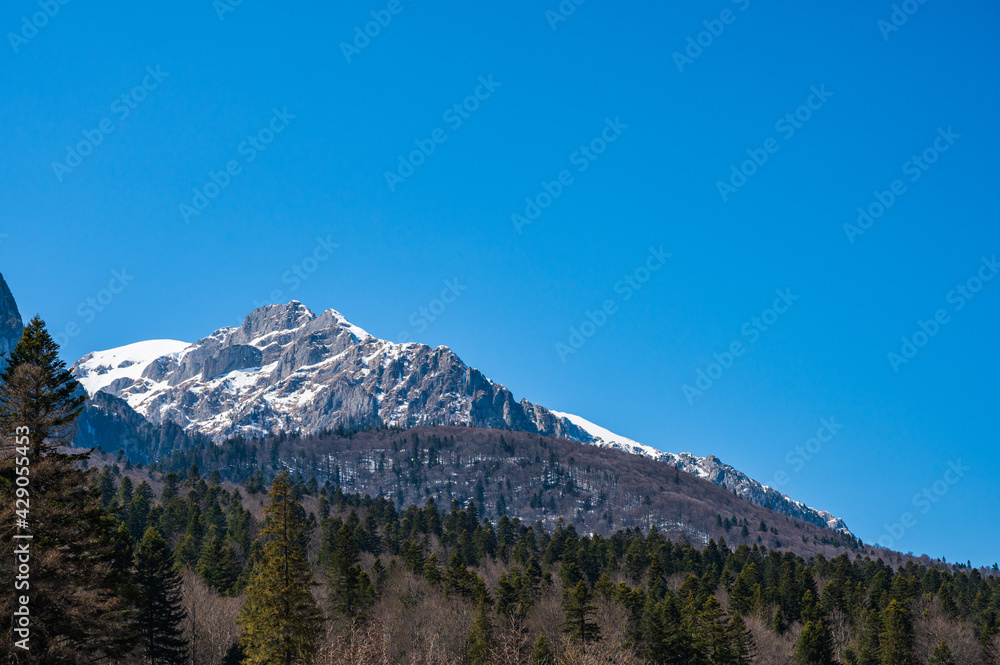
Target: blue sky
[{"x": 162, "y": 98}]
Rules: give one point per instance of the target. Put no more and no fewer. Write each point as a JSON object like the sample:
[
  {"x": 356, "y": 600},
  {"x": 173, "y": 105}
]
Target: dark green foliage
[
  {"x": 895, "y": 640},
  {"x": 47, "y": 402},
  {"x": 542, "y": 653},
  {"x": 941, "y": 655},
  {"x": 349, "y": 587},
  {"x": 480, "y": 635},
  {"x": 579, "y": 611},
  {"x": 280, "y": 620},
  {"x": 218, "y": 566},
  {"x": 78, "y": 593},
  {"x": 159, "y": 609},
  {"x": 815, "y": 645},
  {"x": 665, "y": 638}
]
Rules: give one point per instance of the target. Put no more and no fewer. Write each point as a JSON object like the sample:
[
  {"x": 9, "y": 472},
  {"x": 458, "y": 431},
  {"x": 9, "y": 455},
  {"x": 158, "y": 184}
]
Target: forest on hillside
[
  {"x": 139, "y": 565},
  {"x": 597, "y": 489}
]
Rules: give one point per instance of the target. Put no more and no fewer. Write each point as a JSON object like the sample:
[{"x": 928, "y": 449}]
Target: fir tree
[
  {"x": 741, "y": 597},
  {"x": 350, "y": 589},
  {"x": 578, "y": 610},
  {"x": 743, "y": 648},
  {"x": 432, "y": 570},
  {"x": 665, "y": 640},
  {"x": 895, "y": 639},
  {"x": 480, "y": 635},
  {"x": 815, "y": 645},
  {"x": 542, "y": 653},
  {"x": 46, "y": 400},
  {"x": 941, "y": 655},
  {"x": 137, "y": 512},
  {"x": 77, "y": 603},
  {"x": 160, "y": 612},
  {"x": 280, "y": 620},
  {"x": 218, "y": 565}
]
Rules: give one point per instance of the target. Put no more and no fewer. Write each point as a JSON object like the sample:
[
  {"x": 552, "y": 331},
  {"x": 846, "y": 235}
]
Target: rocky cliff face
[
  {"x": 287, "y": 369},
  {"x": 10, "y": 322}
]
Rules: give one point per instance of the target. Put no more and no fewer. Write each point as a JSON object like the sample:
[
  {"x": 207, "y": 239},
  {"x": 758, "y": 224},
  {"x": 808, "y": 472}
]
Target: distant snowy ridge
[
  {"x": 287, "y": 369},
  {"x": 711, "y": 468}
]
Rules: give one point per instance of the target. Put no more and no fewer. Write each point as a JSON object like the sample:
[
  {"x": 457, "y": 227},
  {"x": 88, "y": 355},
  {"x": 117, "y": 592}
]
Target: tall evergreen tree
[
  {"x": 542, "y": 653},
  {"x": 280, "y": 620},
  {"x": 48, "y": 401},
  {"x": 349, "y": 588},
  {"x": 578, "y": 610},
  {"x": 480, "y": 635},
  {"x": 741, "y": 596},
  {"x": 664, "y": 637},
  {"x": 218, "y": 565},
  {"x": 895, "y": 640},
  {"x": 941, "y": 655},
  {"x": 815, "y": 645},
  {"x": 78, "y": 607},
  {"x": 743, "y": 648},
  {"x": 160, "y": 612}
]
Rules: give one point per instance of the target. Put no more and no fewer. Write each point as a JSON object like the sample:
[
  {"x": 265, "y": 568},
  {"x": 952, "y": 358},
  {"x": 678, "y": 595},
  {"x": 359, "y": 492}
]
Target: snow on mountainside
[
  {"x": 711, "y": 468},
  {"x": 125, "y": 362},
  {"x": 286, "y": 368}
]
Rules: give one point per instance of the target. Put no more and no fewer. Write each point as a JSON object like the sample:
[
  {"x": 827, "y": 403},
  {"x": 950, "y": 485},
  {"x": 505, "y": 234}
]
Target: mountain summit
[{"x": 287, "y": 369}]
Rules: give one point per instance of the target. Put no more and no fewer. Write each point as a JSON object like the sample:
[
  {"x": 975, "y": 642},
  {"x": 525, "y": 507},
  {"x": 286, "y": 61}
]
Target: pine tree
[
  {"x": 480, "y": 635},
  {"x": 542, "y": 653},
  {"x": 432, "y": 569},
  {"x": 218, "y": 565},
  {"x": 78, "y": 606},
  {"x": 160, "y": 611},
  {"x": 868, "y": 639},
  {"x": 778, "y": 624},
  {"x": 741, "y": 597},
  {"x": 46, "y": 401},
  {"x": 578, "y": 610},
  {"x": 457, "y": 578},
  {"x": 941, "y": 655},
  {"x": 895, "y": 639},
  {"x": 665, "y": 638},
  {"x": 815, "y": 645},
  {"x": 709, "y": 630},
  {"x": 743, "y": 648},
  {"x": 280, "y": 620},
  {"x": 349, "y": 588},
  {"x": 137, "y": 512}
]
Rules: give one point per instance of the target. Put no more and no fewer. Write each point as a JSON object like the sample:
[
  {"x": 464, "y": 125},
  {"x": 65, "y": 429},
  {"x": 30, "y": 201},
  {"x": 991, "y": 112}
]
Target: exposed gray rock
[
  {"x": 287, "y": 369},
  {"x": 11, "y": 324},
  {"x": 231, "y": 358}
]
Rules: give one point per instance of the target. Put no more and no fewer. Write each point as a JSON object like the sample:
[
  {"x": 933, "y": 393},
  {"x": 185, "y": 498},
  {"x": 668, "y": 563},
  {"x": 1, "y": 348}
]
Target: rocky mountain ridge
[{"x": 287, "y": 369}]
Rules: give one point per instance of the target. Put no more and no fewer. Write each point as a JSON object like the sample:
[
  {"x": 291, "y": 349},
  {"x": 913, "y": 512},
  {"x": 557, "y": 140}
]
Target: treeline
[
  {"x": 512, "y": 473},
  {"x": 631, "y": 597},
  {"x": 201, "y": 571}
]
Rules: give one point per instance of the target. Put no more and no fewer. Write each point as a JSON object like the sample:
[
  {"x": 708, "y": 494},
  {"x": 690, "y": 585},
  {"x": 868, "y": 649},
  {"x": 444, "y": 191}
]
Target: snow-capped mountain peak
[{"x": 285, "y": 368}]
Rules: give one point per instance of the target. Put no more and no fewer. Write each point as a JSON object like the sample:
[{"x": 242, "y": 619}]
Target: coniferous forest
[{"x": 143, "y": 564}]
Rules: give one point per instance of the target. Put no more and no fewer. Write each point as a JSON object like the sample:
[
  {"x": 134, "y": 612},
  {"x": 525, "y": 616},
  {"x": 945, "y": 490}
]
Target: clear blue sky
[{"x": 552, "y": 91}]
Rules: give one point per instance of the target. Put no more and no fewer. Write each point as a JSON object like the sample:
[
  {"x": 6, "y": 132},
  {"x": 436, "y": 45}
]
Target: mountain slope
[
  {"x": 287, "y": 369},
  {"x": 713, "y": 469},
  {"x": 10, "y": 322}
]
